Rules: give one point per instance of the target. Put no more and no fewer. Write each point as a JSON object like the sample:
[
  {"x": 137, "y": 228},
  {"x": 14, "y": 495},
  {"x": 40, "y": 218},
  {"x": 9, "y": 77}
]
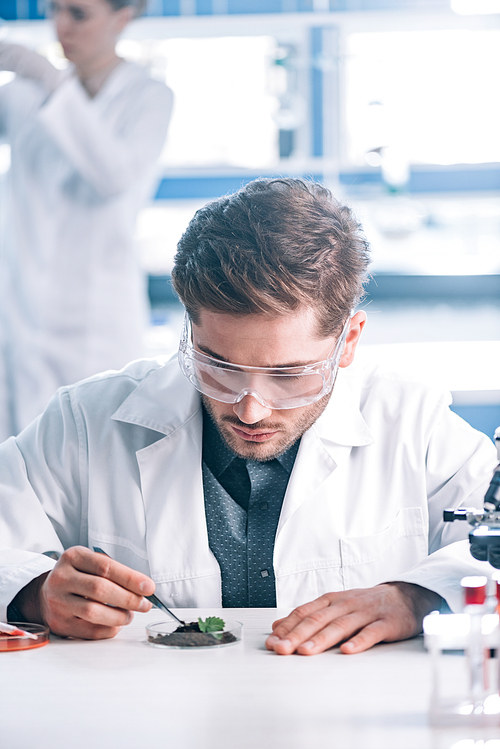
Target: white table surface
[{"x": 125, "y": 694}]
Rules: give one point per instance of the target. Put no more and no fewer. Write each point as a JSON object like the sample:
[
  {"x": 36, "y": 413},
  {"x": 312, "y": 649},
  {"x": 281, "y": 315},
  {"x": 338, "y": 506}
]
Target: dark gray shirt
[{"x": 243, "y": 501}]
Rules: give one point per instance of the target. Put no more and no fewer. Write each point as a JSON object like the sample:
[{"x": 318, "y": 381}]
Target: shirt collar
[{"x": 216, "y": 453}]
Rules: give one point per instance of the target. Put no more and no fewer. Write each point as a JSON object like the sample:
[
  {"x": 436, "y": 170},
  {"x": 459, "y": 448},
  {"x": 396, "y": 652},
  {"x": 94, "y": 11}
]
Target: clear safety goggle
[{"x": 274, "y": 387}]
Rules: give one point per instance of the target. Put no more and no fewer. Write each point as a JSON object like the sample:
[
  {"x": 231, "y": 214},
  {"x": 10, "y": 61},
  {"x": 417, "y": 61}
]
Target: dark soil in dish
[{"x": 190, "y": 636}]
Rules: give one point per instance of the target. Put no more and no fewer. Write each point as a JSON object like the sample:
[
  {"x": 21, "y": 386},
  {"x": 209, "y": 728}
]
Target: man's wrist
[
  {"x": 25, "y": 606},
  {"x": 422, "y": 600}
]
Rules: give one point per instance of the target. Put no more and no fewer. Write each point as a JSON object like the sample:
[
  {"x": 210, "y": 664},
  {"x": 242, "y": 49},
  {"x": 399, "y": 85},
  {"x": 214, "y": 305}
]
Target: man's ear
[{"x": 357, "y": 324}]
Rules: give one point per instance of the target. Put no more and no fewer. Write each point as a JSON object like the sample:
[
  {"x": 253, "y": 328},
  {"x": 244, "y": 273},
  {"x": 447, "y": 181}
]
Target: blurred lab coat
[
  {"x": 116, "y": 462},
  {"x": 74, "y": 298}
]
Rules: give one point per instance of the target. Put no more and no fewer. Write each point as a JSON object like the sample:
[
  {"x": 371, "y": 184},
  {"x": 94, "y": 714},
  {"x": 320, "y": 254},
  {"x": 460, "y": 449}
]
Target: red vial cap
[
  {"x": 496, "y": 578},
  {"x": 474, "y": 589}
]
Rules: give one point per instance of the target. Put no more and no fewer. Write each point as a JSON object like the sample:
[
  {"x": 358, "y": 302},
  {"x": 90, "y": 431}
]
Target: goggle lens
[
  {"x": 275, "y": 390},
  {"x": 288, "y": 387}
]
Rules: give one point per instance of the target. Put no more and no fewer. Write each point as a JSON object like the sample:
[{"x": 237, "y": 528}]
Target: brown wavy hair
[{"x": 272, "y": 247}]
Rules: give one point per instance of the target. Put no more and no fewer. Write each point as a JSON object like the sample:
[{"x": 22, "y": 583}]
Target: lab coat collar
[
  {"x": 325, "y": 446},
  {"x": 166, "y": 402},
  {"x": 163, "y": 401},
  {"x": 341, "y": 422}
]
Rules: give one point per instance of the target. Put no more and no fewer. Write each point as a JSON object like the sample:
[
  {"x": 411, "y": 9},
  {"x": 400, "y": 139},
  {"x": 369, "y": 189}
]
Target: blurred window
[
  {"x": 430, "y": 95},
  {"x": 223, "y": 110}
]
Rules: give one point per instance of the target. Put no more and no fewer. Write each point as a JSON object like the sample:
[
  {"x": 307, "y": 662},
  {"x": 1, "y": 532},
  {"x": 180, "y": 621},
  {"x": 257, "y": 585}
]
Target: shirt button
[
  {"x": 263, "y": 505},
  {"x": 264, "y": 573}
]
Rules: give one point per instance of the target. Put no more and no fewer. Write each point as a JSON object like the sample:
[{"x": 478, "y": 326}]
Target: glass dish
[
  {"x": 17, "y": 642},
  {"x": 163, "y": 635}
]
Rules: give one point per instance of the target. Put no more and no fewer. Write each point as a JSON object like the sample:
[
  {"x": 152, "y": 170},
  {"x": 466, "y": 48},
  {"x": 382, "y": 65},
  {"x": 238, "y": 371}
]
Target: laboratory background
[{"x": 393, "y": 104}]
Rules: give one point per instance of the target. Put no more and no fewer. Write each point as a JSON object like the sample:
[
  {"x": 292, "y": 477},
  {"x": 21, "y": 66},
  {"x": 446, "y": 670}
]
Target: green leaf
[{"x": 211, "y": 624}]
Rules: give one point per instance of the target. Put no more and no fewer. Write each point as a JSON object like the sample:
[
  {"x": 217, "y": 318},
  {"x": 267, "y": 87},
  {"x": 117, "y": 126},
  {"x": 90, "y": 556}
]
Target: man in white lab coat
[{"x": 273, "y": 470}]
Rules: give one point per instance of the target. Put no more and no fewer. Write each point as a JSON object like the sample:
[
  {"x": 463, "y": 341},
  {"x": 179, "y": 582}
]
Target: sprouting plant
[{"x": 211, "y": 624}]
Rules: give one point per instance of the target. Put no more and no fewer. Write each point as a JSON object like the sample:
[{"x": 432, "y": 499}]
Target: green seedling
[{"x": 211, "y": 624}]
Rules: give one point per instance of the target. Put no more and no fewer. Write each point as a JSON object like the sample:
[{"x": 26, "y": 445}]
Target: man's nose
[{"x": 249, "y": 410}]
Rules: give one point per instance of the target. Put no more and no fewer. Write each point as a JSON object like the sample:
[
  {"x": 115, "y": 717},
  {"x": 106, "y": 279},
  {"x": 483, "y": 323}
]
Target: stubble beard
[{"x": 263, "y": 452}]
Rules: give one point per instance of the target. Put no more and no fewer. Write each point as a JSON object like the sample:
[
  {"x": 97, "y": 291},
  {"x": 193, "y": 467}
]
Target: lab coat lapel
[
  {"x": 325, "y": 446},
  {"x": 176, "y": 535},
  {"x": 183, "y": 567}
]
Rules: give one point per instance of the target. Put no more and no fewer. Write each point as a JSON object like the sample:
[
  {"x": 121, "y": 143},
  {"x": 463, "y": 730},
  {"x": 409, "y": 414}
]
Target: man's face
[{"x": 250, "y": 429}]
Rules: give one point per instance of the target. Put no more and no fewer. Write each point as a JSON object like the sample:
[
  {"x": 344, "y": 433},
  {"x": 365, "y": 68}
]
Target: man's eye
[
  {"x": 284, "y": 374},
  {"x": 217, "y": 364}
]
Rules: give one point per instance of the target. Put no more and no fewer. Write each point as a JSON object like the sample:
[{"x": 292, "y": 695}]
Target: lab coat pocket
[{"x": 370, "y": 560}]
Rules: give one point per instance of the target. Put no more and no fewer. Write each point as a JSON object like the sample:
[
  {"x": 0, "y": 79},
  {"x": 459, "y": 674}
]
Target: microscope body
[{"x": 484, "y": 537}]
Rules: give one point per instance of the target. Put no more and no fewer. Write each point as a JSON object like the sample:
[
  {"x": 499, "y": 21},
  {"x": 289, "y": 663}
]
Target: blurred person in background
[{"x": 85, "y": 142}]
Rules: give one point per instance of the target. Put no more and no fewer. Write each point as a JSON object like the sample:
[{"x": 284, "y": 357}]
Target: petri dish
[
  {"x": 163, "y": 635},
  {"x": 18, "y": 642}
]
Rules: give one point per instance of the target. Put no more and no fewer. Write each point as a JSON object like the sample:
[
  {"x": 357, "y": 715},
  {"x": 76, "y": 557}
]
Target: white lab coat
[
  {"x": 74, "y": 300},
  {"x": 115, "y": 462}
]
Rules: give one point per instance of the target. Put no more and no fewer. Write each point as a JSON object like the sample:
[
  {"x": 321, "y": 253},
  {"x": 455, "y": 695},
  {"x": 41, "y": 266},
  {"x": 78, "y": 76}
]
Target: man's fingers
[
  {"x": 65, "y": 624},
  {"x": 370, "y": 635},
  {"x": 61, "y": 605},
  {"x": 92, "y": 563},
  {"x": 70, "y": 615},
  {"x": 357, "y": 618},
  {"x": 83, "y": 630},
  {"x": 277, "y": 622},
  {"x": 94, "y": 612},
  {"x": 104, "y": 591},
  {"x": 282, "y": 627},
  {"x": 321, "y": 631},
  {"x": 367, "y": 637},
  {"x": 300, "y": 624},
  {"x": 90, "y": 595}
]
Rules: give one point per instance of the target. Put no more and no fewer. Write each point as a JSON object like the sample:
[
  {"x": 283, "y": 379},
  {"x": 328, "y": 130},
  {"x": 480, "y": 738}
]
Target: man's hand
[
  {"x": 356, "y": 618},
  {"x": 86, "y": 595}
]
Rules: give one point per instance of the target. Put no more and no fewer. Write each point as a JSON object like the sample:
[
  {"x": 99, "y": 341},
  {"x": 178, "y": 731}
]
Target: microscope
[
  {"x": 470, "y": 696},
  {"x": 484, "y": 537}
]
